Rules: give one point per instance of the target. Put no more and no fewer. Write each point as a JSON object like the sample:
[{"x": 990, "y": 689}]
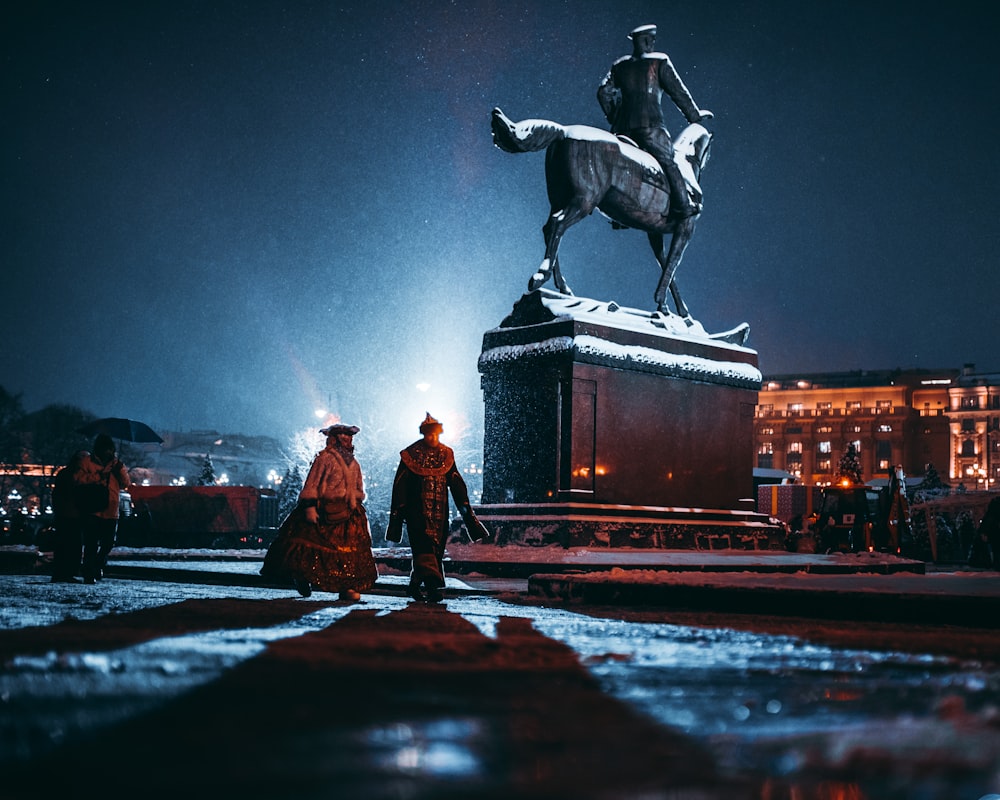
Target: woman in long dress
[{"x": 325, "y": 542}]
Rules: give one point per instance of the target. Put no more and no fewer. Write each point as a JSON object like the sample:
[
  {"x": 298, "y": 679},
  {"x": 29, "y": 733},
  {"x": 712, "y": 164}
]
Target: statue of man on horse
[
  {"x": 630, "y": 97},
  {"x": 636, "y": 176}
]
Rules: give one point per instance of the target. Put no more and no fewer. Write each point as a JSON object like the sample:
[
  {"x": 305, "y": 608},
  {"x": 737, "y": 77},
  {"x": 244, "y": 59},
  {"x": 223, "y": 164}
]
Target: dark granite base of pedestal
[
  {"x": 587, "y": 402},
  {"x": 592, "y": 525},
  {"x": 615, "y": 427}
]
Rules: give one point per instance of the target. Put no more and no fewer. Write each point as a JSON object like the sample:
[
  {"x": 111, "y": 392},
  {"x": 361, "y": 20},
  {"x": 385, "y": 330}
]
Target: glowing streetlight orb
[
  {"x": 423, "y": 386},
  {"x": 320, "y": 413}
]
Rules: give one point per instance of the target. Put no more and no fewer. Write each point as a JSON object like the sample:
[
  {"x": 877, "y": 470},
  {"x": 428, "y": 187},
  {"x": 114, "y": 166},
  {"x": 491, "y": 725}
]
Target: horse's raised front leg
[
  {"x": 669, "y": 264},
  {"x": 558, "y": 223}
]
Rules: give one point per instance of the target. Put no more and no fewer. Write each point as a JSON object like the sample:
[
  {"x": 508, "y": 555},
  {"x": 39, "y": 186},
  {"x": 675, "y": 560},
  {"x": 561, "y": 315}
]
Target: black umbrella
[{"x": 125, "y": 430}]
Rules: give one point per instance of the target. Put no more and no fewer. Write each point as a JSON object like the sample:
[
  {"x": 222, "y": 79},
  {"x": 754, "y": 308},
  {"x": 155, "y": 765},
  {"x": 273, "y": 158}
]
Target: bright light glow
[
  {"x": 423, "y": 386},
  {"x": 320, "y": 413}
]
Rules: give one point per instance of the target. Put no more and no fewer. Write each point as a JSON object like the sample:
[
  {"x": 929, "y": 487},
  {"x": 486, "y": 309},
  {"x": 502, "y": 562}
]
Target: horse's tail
[{"x": 526, "y": 136}]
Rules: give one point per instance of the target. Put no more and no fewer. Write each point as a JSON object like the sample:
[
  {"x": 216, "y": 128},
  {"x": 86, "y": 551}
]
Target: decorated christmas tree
[
  {"x": 932, "y": 480},
  {"x": 850, "y": 465}
]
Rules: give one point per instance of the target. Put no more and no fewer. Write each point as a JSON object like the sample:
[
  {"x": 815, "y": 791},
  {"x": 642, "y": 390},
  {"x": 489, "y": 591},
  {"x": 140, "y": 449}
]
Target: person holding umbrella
[{"x": 103, "y": 467}]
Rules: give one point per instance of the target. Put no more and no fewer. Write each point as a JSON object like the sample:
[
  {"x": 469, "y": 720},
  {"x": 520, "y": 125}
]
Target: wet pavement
[{"x": 194, "y": 677}]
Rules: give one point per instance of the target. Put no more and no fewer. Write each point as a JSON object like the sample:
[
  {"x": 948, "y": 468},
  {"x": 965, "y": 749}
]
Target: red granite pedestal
[{"x": 608, "y": 426}]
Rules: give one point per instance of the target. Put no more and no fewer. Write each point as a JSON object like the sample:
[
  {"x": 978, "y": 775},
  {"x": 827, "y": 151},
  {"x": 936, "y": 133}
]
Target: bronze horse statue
[{"x": 588, "y": 168}]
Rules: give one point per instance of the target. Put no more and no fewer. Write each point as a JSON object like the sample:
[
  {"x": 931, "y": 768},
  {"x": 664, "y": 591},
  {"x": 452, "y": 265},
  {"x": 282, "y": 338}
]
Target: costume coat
[
  {"x": 425, "y": 475},
  {"x": 335, "y": 554}
]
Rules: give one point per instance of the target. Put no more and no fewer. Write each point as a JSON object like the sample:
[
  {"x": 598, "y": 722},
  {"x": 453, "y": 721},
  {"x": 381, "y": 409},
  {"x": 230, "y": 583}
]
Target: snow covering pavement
[
  {"x": 184, "y": 672},
  {"x": 773, "y": 582}
]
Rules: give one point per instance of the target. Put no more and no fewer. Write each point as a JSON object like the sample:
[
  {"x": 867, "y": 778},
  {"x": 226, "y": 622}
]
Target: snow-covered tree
[
  {"x": 207, "y": 475},
  {"x": 288, "y": 490}
]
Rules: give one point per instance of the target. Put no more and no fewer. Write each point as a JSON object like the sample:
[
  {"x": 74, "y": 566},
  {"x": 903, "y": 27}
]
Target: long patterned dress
[{"x": 335, "y": 555}]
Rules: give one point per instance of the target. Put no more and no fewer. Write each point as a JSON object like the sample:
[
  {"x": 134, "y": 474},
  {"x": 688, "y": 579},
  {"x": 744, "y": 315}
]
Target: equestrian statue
[{"x": 636, "y": 175}]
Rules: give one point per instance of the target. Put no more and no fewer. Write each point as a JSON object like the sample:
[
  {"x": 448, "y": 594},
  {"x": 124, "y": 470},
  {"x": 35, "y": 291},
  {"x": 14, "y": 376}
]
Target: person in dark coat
[
  {"x": 100, "y": 528},
  {"x": 425, "y": 475},
  {"x": 67, "y": 546},
  {"x": 325, "y": 543}
]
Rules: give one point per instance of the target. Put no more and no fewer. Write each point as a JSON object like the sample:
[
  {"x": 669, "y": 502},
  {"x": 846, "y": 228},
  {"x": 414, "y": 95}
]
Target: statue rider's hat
[{"x": 650, "y": 29}]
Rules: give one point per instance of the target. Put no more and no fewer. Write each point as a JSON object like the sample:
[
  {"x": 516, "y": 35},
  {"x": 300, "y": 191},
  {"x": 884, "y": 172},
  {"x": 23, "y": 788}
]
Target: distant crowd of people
[{"x": 323, "y": 544}]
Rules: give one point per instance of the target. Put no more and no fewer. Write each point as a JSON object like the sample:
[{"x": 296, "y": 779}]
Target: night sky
[{"x": 227, "y": 215}]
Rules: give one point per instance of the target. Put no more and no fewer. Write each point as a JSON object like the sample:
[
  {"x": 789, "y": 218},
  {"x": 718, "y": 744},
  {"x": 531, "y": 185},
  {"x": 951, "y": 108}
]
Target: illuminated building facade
[
  {"x": 948, "y": 418},
  {"x": 974, "y": 425}
]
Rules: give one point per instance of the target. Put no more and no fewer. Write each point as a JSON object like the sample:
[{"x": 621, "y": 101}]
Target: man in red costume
[{"x": 425, "y": 475}]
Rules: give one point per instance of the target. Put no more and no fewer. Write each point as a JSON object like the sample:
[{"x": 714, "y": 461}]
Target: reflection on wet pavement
[{"x": 482, "y": 696}]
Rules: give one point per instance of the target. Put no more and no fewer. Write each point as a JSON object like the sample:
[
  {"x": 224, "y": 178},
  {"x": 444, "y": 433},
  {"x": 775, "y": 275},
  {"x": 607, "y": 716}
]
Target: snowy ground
[{"x": 827, "y": 709}]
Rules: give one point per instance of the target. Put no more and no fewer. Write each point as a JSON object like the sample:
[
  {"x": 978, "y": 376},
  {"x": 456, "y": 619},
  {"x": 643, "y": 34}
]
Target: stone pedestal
[{"x": 607, "y": 425}]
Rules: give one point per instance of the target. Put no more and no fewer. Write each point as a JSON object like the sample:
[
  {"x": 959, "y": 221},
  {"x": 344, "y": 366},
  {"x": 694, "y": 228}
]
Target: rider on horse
[{"x": 630, "y": 96}]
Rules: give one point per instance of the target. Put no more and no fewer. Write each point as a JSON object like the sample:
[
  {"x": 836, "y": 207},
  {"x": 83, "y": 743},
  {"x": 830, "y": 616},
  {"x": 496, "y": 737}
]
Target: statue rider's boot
[{"x": 682, "y": 205}]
